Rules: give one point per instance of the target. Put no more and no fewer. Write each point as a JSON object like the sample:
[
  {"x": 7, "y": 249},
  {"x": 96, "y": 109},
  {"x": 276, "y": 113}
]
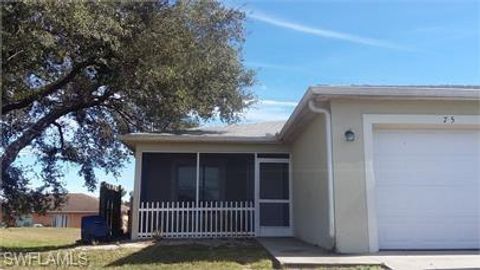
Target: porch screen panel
[
  {"x": 274, "y": 214},
  {"x": 226, "y": 177},
  {"x": 168, "y": 177},
  {"x": 274, "y": 181}
]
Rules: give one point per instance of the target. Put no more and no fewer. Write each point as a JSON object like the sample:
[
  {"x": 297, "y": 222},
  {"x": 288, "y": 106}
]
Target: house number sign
[{"x": 449, "y": 119}]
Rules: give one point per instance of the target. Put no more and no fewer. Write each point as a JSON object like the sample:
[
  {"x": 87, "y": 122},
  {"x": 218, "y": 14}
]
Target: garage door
[{"x": 427, "y": 188}]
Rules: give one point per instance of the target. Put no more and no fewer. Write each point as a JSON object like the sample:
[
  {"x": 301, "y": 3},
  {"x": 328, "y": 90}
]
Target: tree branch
[
  {"x": 12, "y": 150},
  {"x": 13, "y": 55},
  {"x": 127, "y": 117},
  {"x": 47, "y": 90}
]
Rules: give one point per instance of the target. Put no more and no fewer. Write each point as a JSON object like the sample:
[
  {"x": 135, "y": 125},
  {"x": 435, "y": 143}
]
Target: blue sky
[{"x": 295, "y": 44}]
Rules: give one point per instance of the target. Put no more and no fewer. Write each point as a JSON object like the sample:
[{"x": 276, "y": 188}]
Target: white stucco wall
[
  {"x": 310, "y": 184},
  {"x": 349, "y": 165}
]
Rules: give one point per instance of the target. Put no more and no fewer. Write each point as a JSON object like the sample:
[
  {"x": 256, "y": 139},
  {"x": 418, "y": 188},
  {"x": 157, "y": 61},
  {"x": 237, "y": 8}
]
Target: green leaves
[{"x": 107, "y": 68}]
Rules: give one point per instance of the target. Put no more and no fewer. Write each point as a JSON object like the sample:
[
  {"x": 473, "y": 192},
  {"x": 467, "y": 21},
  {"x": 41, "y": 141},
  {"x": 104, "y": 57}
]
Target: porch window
[
  {"x": 186, "y": 183},
  {"x": 173, "y": 177},
  {"x": 168, "y": 177},
  {"x": 226, "y": 177},
  {"x": 211, "y": 185}
]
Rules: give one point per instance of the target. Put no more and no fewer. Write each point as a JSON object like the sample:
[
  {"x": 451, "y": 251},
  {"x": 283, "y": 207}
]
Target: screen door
[{"x": 274, "y": 197}]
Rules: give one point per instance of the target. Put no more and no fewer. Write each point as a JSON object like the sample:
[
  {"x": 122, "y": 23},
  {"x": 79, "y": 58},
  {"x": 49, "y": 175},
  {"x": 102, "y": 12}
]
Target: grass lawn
[
  {"x": 241, "y": 254},
  {"x": 37, "y": 239},
  {"x": 238, "y": 255},
  {"x": 51, "y": 243}
]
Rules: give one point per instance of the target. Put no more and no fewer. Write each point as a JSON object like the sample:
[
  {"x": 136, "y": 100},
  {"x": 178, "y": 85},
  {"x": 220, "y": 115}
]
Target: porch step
[{"x": 291, "y": 253}]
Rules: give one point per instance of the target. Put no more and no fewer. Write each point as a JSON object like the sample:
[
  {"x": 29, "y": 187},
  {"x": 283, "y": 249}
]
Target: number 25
[{"x": 449, "y": 119}]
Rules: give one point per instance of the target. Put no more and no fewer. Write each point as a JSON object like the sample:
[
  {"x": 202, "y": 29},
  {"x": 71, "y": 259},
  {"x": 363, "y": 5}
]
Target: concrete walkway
[{"x": 293, "y": 253}]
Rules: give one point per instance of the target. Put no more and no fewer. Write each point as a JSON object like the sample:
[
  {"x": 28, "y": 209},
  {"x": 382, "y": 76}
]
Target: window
[
  {"x": 24, "y": 221},
  {"x": 60, "y": 220},
  {"x": 226, "y": 177},
  {"x": 168, "y": 177},
  {"x": 211, "y": 184},
  {"x": 186, "y": 183}
]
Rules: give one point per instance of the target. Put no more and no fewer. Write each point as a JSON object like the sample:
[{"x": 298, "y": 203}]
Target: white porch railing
[{"x": 187, "y": 220}]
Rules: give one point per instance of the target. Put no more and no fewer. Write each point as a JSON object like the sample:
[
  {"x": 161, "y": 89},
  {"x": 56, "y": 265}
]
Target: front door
[{"x": 274, "y": 211}]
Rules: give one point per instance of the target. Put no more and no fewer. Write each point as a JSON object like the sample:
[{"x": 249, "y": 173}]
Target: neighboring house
[
  {"x": 24, "y": 221},
  {"x": 77, "y": 205},
  {"x": 125, "y": 210},
  {"x": 355, "y": 169}
]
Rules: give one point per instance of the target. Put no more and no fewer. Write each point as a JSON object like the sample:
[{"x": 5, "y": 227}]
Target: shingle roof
[
  {"x": 275, "y": 132},
  {"x": 264, "y": 132},
  {"x": 263, "y": 129},
  {"x": 79, "y": 202}
]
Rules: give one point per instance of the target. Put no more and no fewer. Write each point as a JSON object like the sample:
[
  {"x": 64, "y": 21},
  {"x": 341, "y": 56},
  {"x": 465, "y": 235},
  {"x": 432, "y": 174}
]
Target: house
[
  {"x": 77, "y": 205},
  {"x": 355, "y": 169}
]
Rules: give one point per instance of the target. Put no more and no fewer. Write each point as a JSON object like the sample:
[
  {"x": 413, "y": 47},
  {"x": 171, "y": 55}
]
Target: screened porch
[{"x": 201, "y": 195}]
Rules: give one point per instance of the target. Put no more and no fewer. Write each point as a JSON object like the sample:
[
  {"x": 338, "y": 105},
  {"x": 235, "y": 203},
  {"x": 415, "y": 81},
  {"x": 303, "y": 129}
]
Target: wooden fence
[
  {"x": 111, "y": 207},
  {"x": 187, "y": 220}
]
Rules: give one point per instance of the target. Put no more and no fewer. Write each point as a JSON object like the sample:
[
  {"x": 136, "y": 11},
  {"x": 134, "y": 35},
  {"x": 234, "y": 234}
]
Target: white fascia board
[
  {"x": 399, "y": 92},
  {"x": 133, "y": 139}
]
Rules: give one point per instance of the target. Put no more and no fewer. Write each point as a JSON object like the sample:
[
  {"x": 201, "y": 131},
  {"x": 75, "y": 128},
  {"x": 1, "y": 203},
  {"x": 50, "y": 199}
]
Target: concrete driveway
[{"x": 293, "y": 253}]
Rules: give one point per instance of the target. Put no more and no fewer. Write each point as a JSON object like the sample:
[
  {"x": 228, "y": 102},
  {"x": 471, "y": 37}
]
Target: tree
[{"x": 76, "y": 75}]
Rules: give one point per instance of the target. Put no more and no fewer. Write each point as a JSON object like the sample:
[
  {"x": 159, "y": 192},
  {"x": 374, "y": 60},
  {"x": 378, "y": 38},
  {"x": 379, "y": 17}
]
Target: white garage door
[{"x": 427, "y": 188}]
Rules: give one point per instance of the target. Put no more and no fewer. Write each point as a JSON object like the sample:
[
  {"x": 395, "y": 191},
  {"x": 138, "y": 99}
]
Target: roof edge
[
  {"x": 388, "y": 92},
  {"x": 398, "y": 92},
  {"x": 134, "y": 139},
  {"x": 295, "y": 114}
]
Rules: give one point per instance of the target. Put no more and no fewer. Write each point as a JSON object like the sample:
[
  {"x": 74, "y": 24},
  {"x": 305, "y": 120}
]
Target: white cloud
[
  {"x": 269, "y": 110},
  {"x": 272, "y": 66},
  {"x": 278, "y": 103},
  {"x": 321, "y": 32}
]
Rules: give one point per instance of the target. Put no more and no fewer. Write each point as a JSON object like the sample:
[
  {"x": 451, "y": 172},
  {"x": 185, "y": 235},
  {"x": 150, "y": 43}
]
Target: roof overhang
[
  {"x": 323, "y": 94},
  {"x": 397, "y": 92},
  {"x": 131, "y": 140}
]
